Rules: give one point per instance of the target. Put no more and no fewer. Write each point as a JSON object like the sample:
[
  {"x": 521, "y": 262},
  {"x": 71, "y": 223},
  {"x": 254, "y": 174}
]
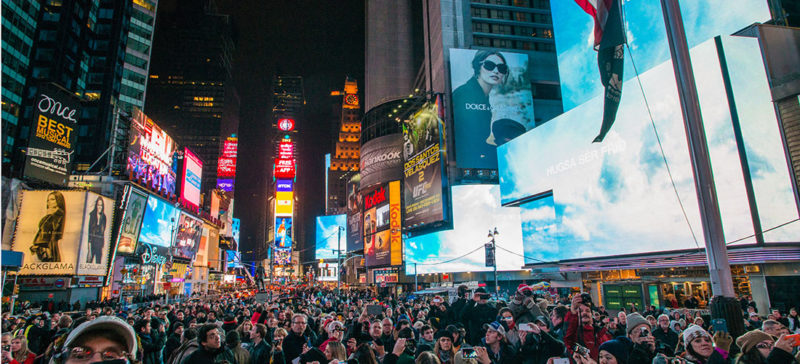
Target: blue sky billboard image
[
  {"x": 616, "y": 197},
  {"x": 159, "y": 223},
  {"x": 328, "y": 235}
]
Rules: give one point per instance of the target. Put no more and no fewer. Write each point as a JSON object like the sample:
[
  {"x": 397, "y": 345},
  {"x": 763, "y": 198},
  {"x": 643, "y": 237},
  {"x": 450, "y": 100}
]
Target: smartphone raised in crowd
[
  {"x": 525, "y": 327},
  {"x": 469, "y": 353},
  {"x": 560, "y": 361},
  {"x": 719, "y": 325}
]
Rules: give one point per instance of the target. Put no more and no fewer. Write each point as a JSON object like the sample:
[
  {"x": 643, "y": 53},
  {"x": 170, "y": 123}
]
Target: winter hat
[
  {"x": 616, "y": 348},
  {"x": 496, "y": 326},
  {"x": 663, "y": 315},
  {"x": 480, "y": 290},
  {"x": 524, "y": 287},
  {"x": 105, "y": 324},
  {"x": 693, "y": 332},
  {"x": 635, "y": 319},
  {"x": 444, "y": 333},
  {"x": 751, "y": 338}
]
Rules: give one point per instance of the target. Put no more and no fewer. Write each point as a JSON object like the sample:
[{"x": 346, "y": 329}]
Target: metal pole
[
  {"x": 494, "y": 253},
  {"x": 716, "y": 251},
  {"x": 416, "y": 286},
  {"x": 13, "y": 296},
  {"x": 338, "y": 258}
]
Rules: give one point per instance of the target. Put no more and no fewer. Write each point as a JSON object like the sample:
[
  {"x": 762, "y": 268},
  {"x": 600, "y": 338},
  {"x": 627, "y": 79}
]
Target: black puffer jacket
[{"x": 474, "y": 315}]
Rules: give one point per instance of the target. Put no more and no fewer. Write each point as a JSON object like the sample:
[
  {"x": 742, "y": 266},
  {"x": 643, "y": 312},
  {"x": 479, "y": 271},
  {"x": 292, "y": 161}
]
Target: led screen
[
  {"x": 187, "y": 238},
  {"x": 476, "y": 210},
  {"x": 159, "y": 223},
  {"x": 382, "y": 225},
  {"x": 329, "y": 237},
  {"x": 618, "y": 193},
  {"x": 233, "y": 259},
  {"x": 492, "y": 103},
  {"x": 422, "y": 167},
  {"x": 577, "y": 60},
  {"x": 150, "y": 154},
  {"x": 283, "y": 256},
  {"x": 192, "y": 171},
  {"x": 283, "y": 232},
  {"x": 355, "y": 205},
  {"x": 236, "y": 225},
  {"x": 131, "y": 221},
  {"x": 226, "y": 163}
]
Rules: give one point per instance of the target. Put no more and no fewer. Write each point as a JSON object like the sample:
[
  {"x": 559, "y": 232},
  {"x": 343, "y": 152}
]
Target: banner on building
[
  {"x": 52, "y": 137},
  {"x": 355, "y": 205},
  {"x": 382, "y": 232},
  {"x": 150, "y": 154},
  {"x": 187, "y": 238},
  {"x": 135, "y": 203},
  {"x": 381, "y": 160}
]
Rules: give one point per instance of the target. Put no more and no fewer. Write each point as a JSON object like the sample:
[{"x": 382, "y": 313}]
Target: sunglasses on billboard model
[{"x": 489, "y": 66}]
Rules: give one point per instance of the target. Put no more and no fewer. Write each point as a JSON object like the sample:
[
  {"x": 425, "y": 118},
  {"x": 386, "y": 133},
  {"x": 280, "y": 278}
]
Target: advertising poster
[
  {"x": 354, "y": 223},
  {"x": 283, "y": 256},
  {"x": 284, "y": 203},
  {"x": 213, "y": 248},
  {"x": 422, "y": 167},
  {"x": 192, "y": 173},
  {"x": 187, "y": 238},
  {"x": 96, "y": 240},
  {"x": 381, "y": 160},
  {"x": 226, "y": 163},
  {"x": 49, "y": 231},
  {"x": 381, "y": 214},
  {"x": 331, "y": 233},
  {"x": 492, "y": 103},
  {"x": 395, "y": 225},
  {"x": 52, "y": 138},
  {"x": 131, "y": 221},
  {"x": 201, "y": 257},
  {"x": 150, "y": 153},
  {"x": 159, "y": 223},
  {"x": 283, "y": 232},
  {"x": 378, "y": 249}
]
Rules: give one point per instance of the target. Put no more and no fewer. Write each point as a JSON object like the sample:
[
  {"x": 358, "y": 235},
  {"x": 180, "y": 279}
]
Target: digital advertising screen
[
  {"x": 225, "y": 184},
  {"x": 150, "y": 154},
  {"x": 52, "y": 141},
  {"x": 226, "y": 163},
  {"x": 284, "y": 203},
  {"x": 382, "y": 225},
  {"x": 284, "y": 169},
  {"x": 159, "y": 223},
  {"x": 283, "y": 232},
  {"x": 282, "y": 256},
  {"x": 64, "y": 233},
  {"x": 236, "y": 225},
  {"x": 136, "y": 202},
  {"x": 492, "y": 103},
  {"x": 233, "y": 259},
  {"x": 422, "y": 166},
  {"x": 476, "y": 210},
  {"x": 330, "y": 236},
  {"x": 355, "y": 204},
  {"x": 187, "y": 238},
  {"x": 618, "y": 193},
  {"x": 381, "y": 160},
  {"x": 192, "y": 176}
]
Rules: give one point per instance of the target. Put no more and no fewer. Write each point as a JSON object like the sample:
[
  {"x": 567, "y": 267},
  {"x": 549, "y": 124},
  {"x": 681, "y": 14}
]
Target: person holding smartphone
[{"x": 476, "y": 313}]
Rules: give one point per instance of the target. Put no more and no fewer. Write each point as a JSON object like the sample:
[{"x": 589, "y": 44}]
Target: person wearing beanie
[
  {"x": 614, "y": 351},
  {"x": 758, "y": 347},
  {"x": 639, "y": 332},
  {"x": 700, "y": 346},
  {"x": 443, "y": 348},
  {"x": 524, "y": 306},
  {"x": 666, "y": 338}
]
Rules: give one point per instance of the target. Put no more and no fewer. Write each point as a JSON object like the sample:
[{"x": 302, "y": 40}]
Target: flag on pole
[{"x": 609, "y": 40}]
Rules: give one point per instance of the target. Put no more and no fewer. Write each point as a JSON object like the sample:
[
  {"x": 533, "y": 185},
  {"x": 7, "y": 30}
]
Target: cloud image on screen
[
  {"x": 616, "y": 197},
  {"x": 476, "y": 209},
  {"x": 159, "y": 222},
  {"x": 328, "y": 234}
]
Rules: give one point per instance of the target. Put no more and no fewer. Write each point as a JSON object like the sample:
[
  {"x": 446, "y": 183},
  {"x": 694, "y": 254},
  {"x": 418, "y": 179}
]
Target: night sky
[{"x": 320, "y": 40}]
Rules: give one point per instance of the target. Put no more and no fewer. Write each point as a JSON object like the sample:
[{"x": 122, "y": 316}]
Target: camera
[
  {"x": 581, "y": 350},
  {"x": 6, "y": 347},
  {"x": 586, "y": 299},
  {"x": 644, "y": 332}
]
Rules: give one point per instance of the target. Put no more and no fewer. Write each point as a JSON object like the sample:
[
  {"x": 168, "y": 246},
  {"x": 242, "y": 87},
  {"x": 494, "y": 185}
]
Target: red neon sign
[
  {"x": 286, "y": 124},
  {"x": 284, "y": 168}
]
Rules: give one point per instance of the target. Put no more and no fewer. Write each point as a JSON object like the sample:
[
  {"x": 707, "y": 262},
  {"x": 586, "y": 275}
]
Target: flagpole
[{"x": 716, "y": 249}]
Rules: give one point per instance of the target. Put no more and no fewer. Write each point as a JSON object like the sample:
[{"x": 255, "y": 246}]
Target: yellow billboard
[{"x": 284, "y": 203}]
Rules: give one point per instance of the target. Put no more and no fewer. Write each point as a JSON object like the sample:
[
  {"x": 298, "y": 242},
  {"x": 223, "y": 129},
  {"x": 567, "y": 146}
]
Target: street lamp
[{"x": 492, "y": 235}]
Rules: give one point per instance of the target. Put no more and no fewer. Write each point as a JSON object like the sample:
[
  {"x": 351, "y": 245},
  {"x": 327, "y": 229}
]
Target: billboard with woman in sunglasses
[{"x": 492, "y": 103}]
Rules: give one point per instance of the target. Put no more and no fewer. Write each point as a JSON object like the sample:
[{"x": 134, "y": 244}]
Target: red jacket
[
  {"x": 592, "y": 336},
  {"x": 29, "y": 360}
]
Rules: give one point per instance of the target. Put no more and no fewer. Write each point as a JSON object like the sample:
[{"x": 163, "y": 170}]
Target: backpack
[{"x": 183, "y": 351}]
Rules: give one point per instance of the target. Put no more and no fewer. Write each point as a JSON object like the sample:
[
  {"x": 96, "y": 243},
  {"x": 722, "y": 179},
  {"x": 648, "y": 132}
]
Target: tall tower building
[
  {"x": 190, "y": 92},
  {"x": 137, "y": 54},
  {"x": 344, "y": 160},
  {"x": 20, "y": 19},
  {"x": 390, "y": 69}
]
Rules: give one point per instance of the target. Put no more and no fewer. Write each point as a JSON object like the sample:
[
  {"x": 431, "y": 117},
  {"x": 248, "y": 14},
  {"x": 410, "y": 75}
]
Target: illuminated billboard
[
  {"x": 64, "y": 233},
  {"x": 192, "y": 173},
  {"x": 382, "y": 222},
  {"x": 226, "y": 163},
  {"x": 331, "y": 236},
  {"x": 135, "y": 203},
  {"x": 225, "y": 184},
  {"x": 233, "y": 259},
  {"x": 476, "y": 210},
  {"x": 52, "y": 140},
  {"x": 492, "y": 103},
  {"x": 582, "y": 197},
  {"x": 282, "y": 256},
  {"x": 284, "y": 203},
  {"x": 284, "y": 185},
  {"x": 283, "y": 232},
  {"x": 355, "y": 205},
  {"x": 284, "y": 169},
  {"x": 150, "y": 154},
  {"x": 187, "y": 237},
  {"x": 159, "y": 223},
  {"x": 422, "y": 166},
  {"x": 236, "y": 225},
  {"x": 381, "y": 160},
  {"x": 286, "y": 124},
  {"x": 285, "y": 149}
]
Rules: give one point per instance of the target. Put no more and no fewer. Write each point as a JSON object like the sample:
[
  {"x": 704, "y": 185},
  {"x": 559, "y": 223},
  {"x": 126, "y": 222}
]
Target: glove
[{"x": 723, "y": 340}]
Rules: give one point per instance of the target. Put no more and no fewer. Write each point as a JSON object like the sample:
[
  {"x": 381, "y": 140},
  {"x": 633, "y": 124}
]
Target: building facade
[{"x": 345, "y": 158}]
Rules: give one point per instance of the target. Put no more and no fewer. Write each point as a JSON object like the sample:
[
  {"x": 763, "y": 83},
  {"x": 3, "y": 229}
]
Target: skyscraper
[
  {"x": 344, "y": 160},
  {"x": 190, "y": 92},
  {"x": 137, "y": 57},
  {"x": 390, "y": 68}
]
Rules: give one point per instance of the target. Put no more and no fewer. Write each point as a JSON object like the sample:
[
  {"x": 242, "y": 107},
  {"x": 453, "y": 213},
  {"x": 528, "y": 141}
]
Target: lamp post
[{"x": 492, "y": 235}]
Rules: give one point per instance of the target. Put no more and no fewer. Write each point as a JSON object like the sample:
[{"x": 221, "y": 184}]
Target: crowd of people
[{"x": 317, "y": 326}]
